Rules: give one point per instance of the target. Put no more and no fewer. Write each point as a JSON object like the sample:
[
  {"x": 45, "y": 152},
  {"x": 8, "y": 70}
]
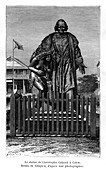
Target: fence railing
[{"x": 42, "y": 116}]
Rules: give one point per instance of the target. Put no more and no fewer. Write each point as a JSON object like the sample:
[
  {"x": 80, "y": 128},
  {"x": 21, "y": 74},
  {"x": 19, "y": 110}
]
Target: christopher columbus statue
[{"x": 56, "y": 60}]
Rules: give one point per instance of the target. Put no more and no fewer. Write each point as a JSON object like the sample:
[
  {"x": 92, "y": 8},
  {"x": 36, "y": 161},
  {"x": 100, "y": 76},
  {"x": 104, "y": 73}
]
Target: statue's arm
[
  {"x": 79, "y": 59},
  {"x": 43, "y": 49}
]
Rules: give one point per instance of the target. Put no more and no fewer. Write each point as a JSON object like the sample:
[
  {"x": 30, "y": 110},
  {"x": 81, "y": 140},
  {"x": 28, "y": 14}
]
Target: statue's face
[{"x": 61, "y": 27}]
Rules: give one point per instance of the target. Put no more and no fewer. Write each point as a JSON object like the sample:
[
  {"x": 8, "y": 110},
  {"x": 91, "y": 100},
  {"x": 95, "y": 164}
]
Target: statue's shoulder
[
  {"x": 48, "y": 38},
  {"x": 70, "y": 35}
]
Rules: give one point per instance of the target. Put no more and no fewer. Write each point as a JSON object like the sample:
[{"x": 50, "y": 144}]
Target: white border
[{"x": 89, "y": 163}]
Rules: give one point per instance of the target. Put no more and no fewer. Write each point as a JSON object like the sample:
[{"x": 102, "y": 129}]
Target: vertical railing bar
[
  {"x": 87, "y": 102},
  {"x": 57, "y": 103},
  {"x": 29, "y": 113},
  {"x": 93, "y": 117},
  {"x": 52, "y": 97},
  {"x": 42, "y": 113},
  {"x": 48, "y": 112},
  {"x": 33, "y": 110},
  {"x": 12, "y": 116},
  {"x": 72, "y": 111},
  {"x": 24, "y": 110},
  {"x": 77, "y": 113},
  {"x": 62, "y": 103},
  {"x": 38, "y": 113},
  {"x": 82, "y": 115},
  {"x": 90, "y": 115},
  {"x": 19, "y": 118},
  {"x": 67, "y": 108}
]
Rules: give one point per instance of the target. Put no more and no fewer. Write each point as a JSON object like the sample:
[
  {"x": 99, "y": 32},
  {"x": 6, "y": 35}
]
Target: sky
[{"x": 28, "y": 25}]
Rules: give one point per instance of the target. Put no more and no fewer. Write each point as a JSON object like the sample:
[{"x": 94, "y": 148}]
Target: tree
[{"x": 87, "y": 83}]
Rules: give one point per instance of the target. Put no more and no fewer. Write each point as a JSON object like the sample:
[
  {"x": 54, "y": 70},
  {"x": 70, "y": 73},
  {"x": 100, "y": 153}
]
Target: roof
[{"x": 17, "y": 63}]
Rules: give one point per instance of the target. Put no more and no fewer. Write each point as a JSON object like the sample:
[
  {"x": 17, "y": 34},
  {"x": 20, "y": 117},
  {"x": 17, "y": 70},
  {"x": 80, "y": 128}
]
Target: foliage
[{"x": 87, "y": 83}]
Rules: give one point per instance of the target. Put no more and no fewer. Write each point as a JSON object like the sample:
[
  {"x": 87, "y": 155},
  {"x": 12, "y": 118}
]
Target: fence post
[
  {"x": 33, "y": 113},
  {"x": 67, "y": 116},
  {"x": 12, "y": 116},
  {"x": 19, "y": 115},
  {"x": 24, "y": 112},
  {"x": 93, "y": 116},
  {"x": 82, "y": 114},
  {"x": 72, "y": 114},
  {"x": 77, "y": 114},
  {"x": 47, "y": 112},
  {"x": 57, "y": 110}
]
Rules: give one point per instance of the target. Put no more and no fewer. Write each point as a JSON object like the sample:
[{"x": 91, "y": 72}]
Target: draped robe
[{"x": 60, "y": 58}]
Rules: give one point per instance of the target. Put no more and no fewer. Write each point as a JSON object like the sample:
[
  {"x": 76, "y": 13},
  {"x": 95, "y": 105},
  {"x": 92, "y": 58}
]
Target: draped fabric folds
[{"x": 60, "y": 64}]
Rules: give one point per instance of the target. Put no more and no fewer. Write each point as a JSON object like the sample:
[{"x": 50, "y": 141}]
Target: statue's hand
[
  {"x": 82, "y": 68},
  {"x": 36, "y": 71}
]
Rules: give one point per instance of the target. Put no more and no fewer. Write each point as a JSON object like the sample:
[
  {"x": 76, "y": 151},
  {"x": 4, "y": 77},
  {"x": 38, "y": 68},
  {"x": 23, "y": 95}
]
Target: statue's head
[{"x": 61, "y": 26}]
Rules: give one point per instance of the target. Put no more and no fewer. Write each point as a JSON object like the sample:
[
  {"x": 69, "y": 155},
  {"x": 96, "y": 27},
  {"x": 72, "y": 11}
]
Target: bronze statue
[{"x": 56, "y": 60}]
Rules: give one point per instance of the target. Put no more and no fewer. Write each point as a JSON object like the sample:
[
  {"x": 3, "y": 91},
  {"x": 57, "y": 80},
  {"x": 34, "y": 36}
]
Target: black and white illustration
[{"x": 52, "y": 81}]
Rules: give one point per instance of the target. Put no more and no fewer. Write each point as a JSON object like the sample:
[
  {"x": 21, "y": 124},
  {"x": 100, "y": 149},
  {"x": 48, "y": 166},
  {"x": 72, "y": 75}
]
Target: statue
[{"x": 56, "y": 60}]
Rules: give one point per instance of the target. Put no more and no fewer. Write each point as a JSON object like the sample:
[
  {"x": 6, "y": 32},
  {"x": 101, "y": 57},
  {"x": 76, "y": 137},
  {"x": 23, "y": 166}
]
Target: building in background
[{"x": 20, "y": 76}]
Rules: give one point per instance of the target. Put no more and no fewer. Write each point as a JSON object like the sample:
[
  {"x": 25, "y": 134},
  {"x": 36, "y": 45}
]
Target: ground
[{"x": 52, "y": 146}]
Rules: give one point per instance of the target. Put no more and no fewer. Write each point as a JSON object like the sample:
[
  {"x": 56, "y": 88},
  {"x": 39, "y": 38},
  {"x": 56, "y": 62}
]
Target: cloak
[{"x": 58, "y": 56}]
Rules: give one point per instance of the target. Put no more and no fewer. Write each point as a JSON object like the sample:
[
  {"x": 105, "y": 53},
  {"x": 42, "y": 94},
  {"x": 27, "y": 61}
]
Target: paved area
[{"x": 52, "y": 146}]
